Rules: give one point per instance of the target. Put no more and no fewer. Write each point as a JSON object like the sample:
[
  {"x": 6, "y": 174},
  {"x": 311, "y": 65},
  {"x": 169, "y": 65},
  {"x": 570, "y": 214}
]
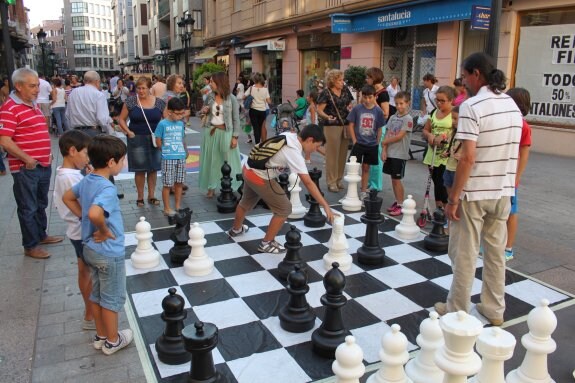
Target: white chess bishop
[
  {"x": 407, "y": 228},
  {"x": 422, "y": 368},
  {"x": 348, "y": 364},
  {"x": 145, "y": 256},
  {"x": 297, "y": 209},
  {"x": 198, "y": 262},
  {"x": 393, "y": 354},
  {"x": 351, "y": 202},
  {"x": 338, "y": 246}
]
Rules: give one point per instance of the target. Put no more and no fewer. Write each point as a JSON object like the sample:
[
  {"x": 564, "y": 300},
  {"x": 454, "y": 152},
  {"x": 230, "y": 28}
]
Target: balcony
[
  {"x": 164, "y": 41},
  {"x": 163, "y": 9}
]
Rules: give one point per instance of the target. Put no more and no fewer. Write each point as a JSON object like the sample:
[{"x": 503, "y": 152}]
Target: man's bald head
[{"x": 92, "y": 77}]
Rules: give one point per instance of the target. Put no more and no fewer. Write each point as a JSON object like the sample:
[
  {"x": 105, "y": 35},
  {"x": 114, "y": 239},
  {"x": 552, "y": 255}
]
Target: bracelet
[{"x": 450, "y": 202}]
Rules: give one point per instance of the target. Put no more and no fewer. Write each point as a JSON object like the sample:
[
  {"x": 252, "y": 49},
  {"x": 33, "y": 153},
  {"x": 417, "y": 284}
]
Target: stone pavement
[{"x": 41, "y": 308}]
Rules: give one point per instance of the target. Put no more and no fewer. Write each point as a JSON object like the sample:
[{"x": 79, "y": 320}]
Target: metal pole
[
  {"x": 43, "y": 59},
  {"x": 8, "y": 54},
  {"x": 186, "y": 47},
  {"x": 492, "y": 47}
]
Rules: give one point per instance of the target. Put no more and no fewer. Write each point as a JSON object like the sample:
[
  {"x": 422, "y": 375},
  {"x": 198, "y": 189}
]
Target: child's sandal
[
  {"x": 140, "y": 203},
  {"x": 154, "y": 201}
]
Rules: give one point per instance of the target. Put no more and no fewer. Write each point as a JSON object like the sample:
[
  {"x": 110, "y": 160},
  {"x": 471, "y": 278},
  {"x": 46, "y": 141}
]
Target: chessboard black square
[
  {"x": 419, "y": 245},
  {"x": 155, "y": 280},
  {"x": 358, "y": 285},
  {"x": 384, "y": 240},
  {"x": 244, "y": 340},
  {"x": 152, "y": 326},
  {"x": 430, "y": 268},
  {"x": 312, "y": 276},
  {"x": 313, "y": 252},
  {"x": 425, "y": 294},
  {"x": 184, "y": 377},
  {"x": 267, "y": 304},
  {"x": 315, "y": 366},
  {"x": 237, "y": 266},
  {"x": 216, "y": 239},
  {"x": 388, "y": 225},
  {"x": 515, "y": 308},
  {"x": 128, "y": 250},
  {"x": 354, "y": 315},
  {"x": 213, "y": 291},
  {"x": 163, "y": 234},
  {"x": 283, "y": 231},
  {"x": 321, "y": 235},
  {"x": 226, "y": 224},
  {"x": 510, "y": 276},
  {"x": 410, "y": 324},
  {"x": 386, "y": 263}
]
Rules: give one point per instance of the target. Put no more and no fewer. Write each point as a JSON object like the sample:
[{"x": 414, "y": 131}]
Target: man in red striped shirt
[{"x": 24, "y": 135}]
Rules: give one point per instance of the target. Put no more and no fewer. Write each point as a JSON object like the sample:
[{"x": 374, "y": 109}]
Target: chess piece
[
  {"x": 338, "y": 247},
  {"x": 437, "y": 240},
  {"x": 200, "y": 339},
  {"x": 422, "y": 368},
  {"x": 283, "y": 180},
  {"x": 407, "y": 229},
  {"x": 180, "y": 251},
  {"x": 145, "y": 256},
  {"x": 456, "y": 357},
  {"x": 170, "y": 345},
  {"x": 297, "y": 209},
  {"x": 314, "y": 216},
  {"x": 198, "y": 263},
  {"x": 393, "y": 355},
  {"x": 496, "y": 346},
  {"x": 227, "y": 200},
  {"x": 348, "y": 364},
  {"x": 240, "y": 178},
  {"x": 297, "y": 315},
  {"x": 370, "y": 253},
  {"x": 351, "y": 201},
  {"x": 292, "y": 257},
  {"x": 332, "y": 332},
  {"x": 541, "y": 322}
]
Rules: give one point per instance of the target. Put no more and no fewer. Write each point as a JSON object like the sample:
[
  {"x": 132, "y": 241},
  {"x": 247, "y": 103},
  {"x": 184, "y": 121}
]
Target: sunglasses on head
[{"x": 217, "y": 110}]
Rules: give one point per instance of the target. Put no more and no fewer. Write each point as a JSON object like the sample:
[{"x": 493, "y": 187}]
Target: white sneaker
[
  {"x": 98, "y": 342},
  {"x": 124, "y": 339}
]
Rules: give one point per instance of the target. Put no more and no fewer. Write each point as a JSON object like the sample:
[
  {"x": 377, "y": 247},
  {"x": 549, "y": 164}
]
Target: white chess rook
[
  {"x": 407, "y": 228},
  {"x": 198, "y": 263},
  {"x": 393, "y": 354},
  {"x": 297, "y": 209},
  {"x": 348, "y": 364},
  {"x": 496, "y": 346},
  {"x": 338, "y": 246},
  {"x": 145, "y": 256},
  {"x": 351, "y": 202},
  {"x": 422, "y": 368},
  {"x": 541, "y": 322}
]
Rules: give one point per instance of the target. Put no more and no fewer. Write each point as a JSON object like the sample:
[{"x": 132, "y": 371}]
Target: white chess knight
[
  {"x": 297, "y": 209},
  {"x": 145, "y": 256},
  {"x": 348, "y": 364},
  {"x": 422, "y": 368},
  {"x": 338, "y": 246},
  {"x": 393, "y": 354},
  {"x": 351, "y": 202},
  {"x": 407, "y": 228},
  {"x": 198, "y": 262},
  {"x": 496, "y": 346},
  {"x": 541, "y": 322}
]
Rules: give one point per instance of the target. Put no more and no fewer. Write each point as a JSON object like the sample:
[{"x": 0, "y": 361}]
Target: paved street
[{"x": 41, "y": 307}]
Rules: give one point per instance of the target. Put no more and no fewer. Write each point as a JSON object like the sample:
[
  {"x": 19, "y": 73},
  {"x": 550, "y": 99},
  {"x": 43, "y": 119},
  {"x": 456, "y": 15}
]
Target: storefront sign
[
  {"x": 276, "y": 45},
  {"x": 480, "y": 17},
  {"x": 404, "y": 15},
  {"x": 545, "y": 67}
]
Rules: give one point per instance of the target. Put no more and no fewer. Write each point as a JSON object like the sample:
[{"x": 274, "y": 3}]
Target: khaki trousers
[
  {"x": 335, "y": 154},
  {"x": 486, "y": 221}
]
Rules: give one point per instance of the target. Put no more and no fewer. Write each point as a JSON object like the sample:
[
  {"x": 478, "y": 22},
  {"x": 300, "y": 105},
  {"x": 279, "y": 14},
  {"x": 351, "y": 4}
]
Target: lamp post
[
  {"x": 41, "y": 35},
  {"x": 165, "y": 53},
  {"x": 52, "y": 57},
  {"x": 137, "y": 59},
  {"x": 122, "y": 69},
  {"x": 186, "y": 25}
]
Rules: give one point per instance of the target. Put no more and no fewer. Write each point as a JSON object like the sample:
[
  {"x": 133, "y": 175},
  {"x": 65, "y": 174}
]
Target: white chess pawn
[
  {"x": 496, "y": 346},
  {"x": 348, "y": 364},
  {"x": 338, "y": 246},
  {"x": 198, "y": 262},
  {"x": 422, "y": 368},
  {"x": 456, "y": 357},
  {"x": 393, "y": 354},
  {"x": 145, "y": 256},
  {"x": 541, "y": 322},
  {"x": 351, "y": 202},
  {"x": 407, "y": 229},
  {"x": 297, "y": 209}
]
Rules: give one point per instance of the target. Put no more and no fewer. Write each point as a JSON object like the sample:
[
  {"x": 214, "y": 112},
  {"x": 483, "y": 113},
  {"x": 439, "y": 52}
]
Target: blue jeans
[
  {"x": 31, "y": 188},
  {"x": 59, "y": 114},
  {"x": 108, "y": 279}
]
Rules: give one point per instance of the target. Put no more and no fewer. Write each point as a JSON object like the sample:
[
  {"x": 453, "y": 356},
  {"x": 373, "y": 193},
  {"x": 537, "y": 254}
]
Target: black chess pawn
[
  {"x": 332, "y": 331},
  {"x": 227, "y": 200},
  {"x": 370, "y": 253},
  {"x": 181, "y": 250},
  {"x": 170, "y": 345},
  {"x": 297, "y": 315},
  {"x": 314, "y": 216},
  {"x": 438, "y": 239},
  {"x": 200, "y": 339},
  {"x": 292, "y": 257},
  {"x": 283, "y": 180}
]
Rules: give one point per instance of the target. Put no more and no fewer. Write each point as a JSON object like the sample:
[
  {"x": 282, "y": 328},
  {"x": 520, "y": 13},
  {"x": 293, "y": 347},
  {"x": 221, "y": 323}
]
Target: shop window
[{"x": 315, "y": 64}]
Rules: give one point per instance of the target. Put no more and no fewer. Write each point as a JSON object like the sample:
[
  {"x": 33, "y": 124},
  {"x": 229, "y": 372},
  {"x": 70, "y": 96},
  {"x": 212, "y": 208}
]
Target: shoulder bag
[
  {"x": 248, "y": 99},
  {"x": 147, "y": 123},
  {"x": 345, "y": 135}
]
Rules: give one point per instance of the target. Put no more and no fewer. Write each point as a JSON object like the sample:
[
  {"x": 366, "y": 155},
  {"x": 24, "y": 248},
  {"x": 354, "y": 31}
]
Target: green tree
[
  {"x": 203, "y": 69},
  {"x": 355, "y": 76}
]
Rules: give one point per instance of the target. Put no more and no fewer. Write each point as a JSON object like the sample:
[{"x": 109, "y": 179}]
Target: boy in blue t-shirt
[
  {"x": 365, "y": 122},
  {"x": 95, "y": 200},
  {"x": 170, "y": 137}
]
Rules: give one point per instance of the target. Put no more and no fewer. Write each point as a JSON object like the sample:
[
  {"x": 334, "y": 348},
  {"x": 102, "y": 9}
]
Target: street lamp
[
  {"x": 185, "y": 25},
  {"x": 165, "y": 53},
  {"x": 122, "y": 68},
  {"x": 52, "y": 57},
  {"x": 41, "y": 35},
  {"x": 137, "y": 59}
]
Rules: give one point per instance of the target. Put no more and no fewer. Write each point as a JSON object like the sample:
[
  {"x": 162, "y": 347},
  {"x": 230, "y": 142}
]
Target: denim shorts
[
  {"x": 78, "y": 248},
  {"x": 514, "y": 207},
  {"x": 108, "y": 280},
  {"x": 448, "y": 178}
]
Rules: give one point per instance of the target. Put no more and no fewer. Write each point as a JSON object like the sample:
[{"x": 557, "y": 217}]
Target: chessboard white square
[
  {"x": 260, "y": 220},
  {"x": 254, "y": 283},
  {"x": 164, "y": 246},
  {"x": 166, "y": 370},
  {"x": 303, "y": 228},
  {"x": 319, "y": 266},
  {"x": 445, "y": 259},
  {"x": 232, "y": 312},
  {"x": 130, "y": 239},
  {"x": 393, "y": 234},
  {"x": 355, "y": 230},
  {"x": 305, "y": 240},
  {"x": 287, "y": 338},
  {"x": 404, "y": 253},
  {"x": 150, "y": 302},
  {"x": 401, "y": 305},
  {"x": 252, "y": 234},
  {"x": 353, "y": 244},
  {"x": 369, "y": 339},
  {"x": 183, "y": 279},
  {"x": 446, "y": 280},
  {"x": 532, "y": 292},
  {"x": 227, "y": 251},
  {"x": 276, "y": 365},
  {"x": 131, "y": 270},
  {"x": 210, "y": 227},
  {"x": 268, "y": 261},
  {"x": 397, "y": 276},
  {"x": 316, "y": 290}
]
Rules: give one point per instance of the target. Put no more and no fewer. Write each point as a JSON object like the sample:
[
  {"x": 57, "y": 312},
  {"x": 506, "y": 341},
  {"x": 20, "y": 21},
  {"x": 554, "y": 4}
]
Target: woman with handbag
[
  {"x": 333, "y": 106},
  {"x": 145, "y": 112},
  {"x": 220, "y": 135},
  {"x": 120, "y": 93},
  {"x": 257, "y": 109}
]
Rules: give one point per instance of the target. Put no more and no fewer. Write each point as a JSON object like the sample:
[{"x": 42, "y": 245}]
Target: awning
[
  {"x": 271, "y": 44},
  {"x": 206, "y": 54}
]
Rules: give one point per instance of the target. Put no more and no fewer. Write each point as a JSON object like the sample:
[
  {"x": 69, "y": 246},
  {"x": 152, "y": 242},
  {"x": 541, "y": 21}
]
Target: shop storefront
[
  {"x": 271, "y": 51},
  {"x": 320, "y": 52},
  {"x": 243, "y": 59}
]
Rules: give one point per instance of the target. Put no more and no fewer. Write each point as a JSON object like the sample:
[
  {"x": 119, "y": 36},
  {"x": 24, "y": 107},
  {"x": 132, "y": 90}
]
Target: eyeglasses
[{"x": 217, "y": 110}]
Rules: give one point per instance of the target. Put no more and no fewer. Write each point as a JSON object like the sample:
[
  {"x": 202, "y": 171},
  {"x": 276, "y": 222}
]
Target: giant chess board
[{"x": 243, "y": 296}]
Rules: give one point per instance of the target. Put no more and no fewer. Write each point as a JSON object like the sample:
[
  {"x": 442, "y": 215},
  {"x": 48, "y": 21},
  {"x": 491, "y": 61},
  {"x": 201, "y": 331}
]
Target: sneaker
[
  {"x": 124, "y": 339},
  {"x": 88, "y": 324},
  {"x": 271, "y": 247},
  {"x": 98, "y": 342},
  {"x": 232, "y": 233},
  {"x": 508, "y": 255},
  {"x": 494, "y": 322},
  {"x": 362, "y": 195},
  {"x": 480, "y": 255},
  {"x": 392, "y": 207},
  {"x": 396, "y": 211}
]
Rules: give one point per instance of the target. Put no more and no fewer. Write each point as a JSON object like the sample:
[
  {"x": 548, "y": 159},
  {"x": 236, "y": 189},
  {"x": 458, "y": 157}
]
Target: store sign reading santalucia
[{"x": 546, "y": 68}]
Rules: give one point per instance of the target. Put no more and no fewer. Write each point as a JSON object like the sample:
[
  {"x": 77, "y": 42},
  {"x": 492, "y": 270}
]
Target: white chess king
[{"x": 351, "y": 202}]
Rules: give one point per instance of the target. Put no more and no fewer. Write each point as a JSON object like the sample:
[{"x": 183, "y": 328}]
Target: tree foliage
[
  {"x": 354, "y": 76},
  {"x": 203, "y": 69}
]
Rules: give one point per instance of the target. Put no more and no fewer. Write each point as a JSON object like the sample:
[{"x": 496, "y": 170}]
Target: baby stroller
[{"x": 283, "y": 119}]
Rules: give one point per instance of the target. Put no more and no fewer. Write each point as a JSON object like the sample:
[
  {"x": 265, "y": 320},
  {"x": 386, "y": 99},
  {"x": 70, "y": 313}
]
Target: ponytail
[{"x": 496, "y": 81}]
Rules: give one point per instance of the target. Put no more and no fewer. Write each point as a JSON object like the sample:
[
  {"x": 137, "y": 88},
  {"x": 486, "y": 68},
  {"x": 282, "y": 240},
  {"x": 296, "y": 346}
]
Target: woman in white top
[
  {"x": 58, "y": 105},
  {"x": 392, "y": 90},
  {"x": 429, "y": 91},
  {"x": 257, "y": 112}
]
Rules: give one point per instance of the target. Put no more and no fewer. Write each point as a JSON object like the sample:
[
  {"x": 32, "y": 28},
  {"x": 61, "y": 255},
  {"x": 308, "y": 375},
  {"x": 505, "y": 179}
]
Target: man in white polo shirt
[
  {"x": 43, "y": 99},
  {"x": 490, "y": 129}
]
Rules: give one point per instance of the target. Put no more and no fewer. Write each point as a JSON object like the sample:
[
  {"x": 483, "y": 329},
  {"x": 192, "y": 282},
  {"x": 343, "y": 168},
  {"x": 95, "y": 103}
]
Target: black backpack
[{"x": 262, "y": 152}]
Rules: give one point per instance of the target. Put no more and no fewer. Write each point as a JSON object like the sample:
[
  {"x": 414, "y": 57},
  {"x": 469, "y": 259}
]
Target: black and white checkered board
[{"x": 244, "y": 294}]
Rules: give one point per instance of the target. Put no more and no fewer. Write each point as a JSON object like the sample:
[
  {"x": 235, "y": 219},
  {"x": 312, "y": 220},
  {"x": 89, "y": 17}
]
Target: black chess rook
[
  {"x": 370, "y": 253},
  {"x": 437, "y": 239},
  {"x": 314, "y": 216},
  {"x": 181, "y": 250},
  {"x": 227, "y": 200},
  {"x": 200, "y": 339},
  {"x": 297, "y": 316},
  {"x": 292, "y": 257},
  {"x": 170, "y": 345}
]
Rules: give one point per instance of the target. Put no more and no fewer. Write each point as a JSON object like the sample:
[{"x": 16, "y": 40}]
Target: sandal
[
  {"x": 154, "y": 201},
  {"x": 272, "y": 247},
  {"x": 140, "y": 203}
]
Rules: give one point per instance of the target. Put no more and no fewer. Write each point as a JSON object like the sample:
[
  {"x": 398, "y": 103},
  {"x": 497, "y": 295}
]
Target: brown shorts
[{"x": 256, "y": 188}]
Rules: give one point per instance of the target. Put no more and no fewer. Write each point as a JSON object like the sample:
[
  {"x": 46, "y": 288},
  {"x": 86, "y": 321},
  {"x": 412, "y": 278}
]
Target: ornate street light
[
  {"x": 122, "y": 68},
  {"x": 185, "y": 25},
  {"x": 41, "y": 35},
  {"x": 165, "y": 53},
  {"x": 52, "y": 57},
  {"x": 137, "y": 59}
]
